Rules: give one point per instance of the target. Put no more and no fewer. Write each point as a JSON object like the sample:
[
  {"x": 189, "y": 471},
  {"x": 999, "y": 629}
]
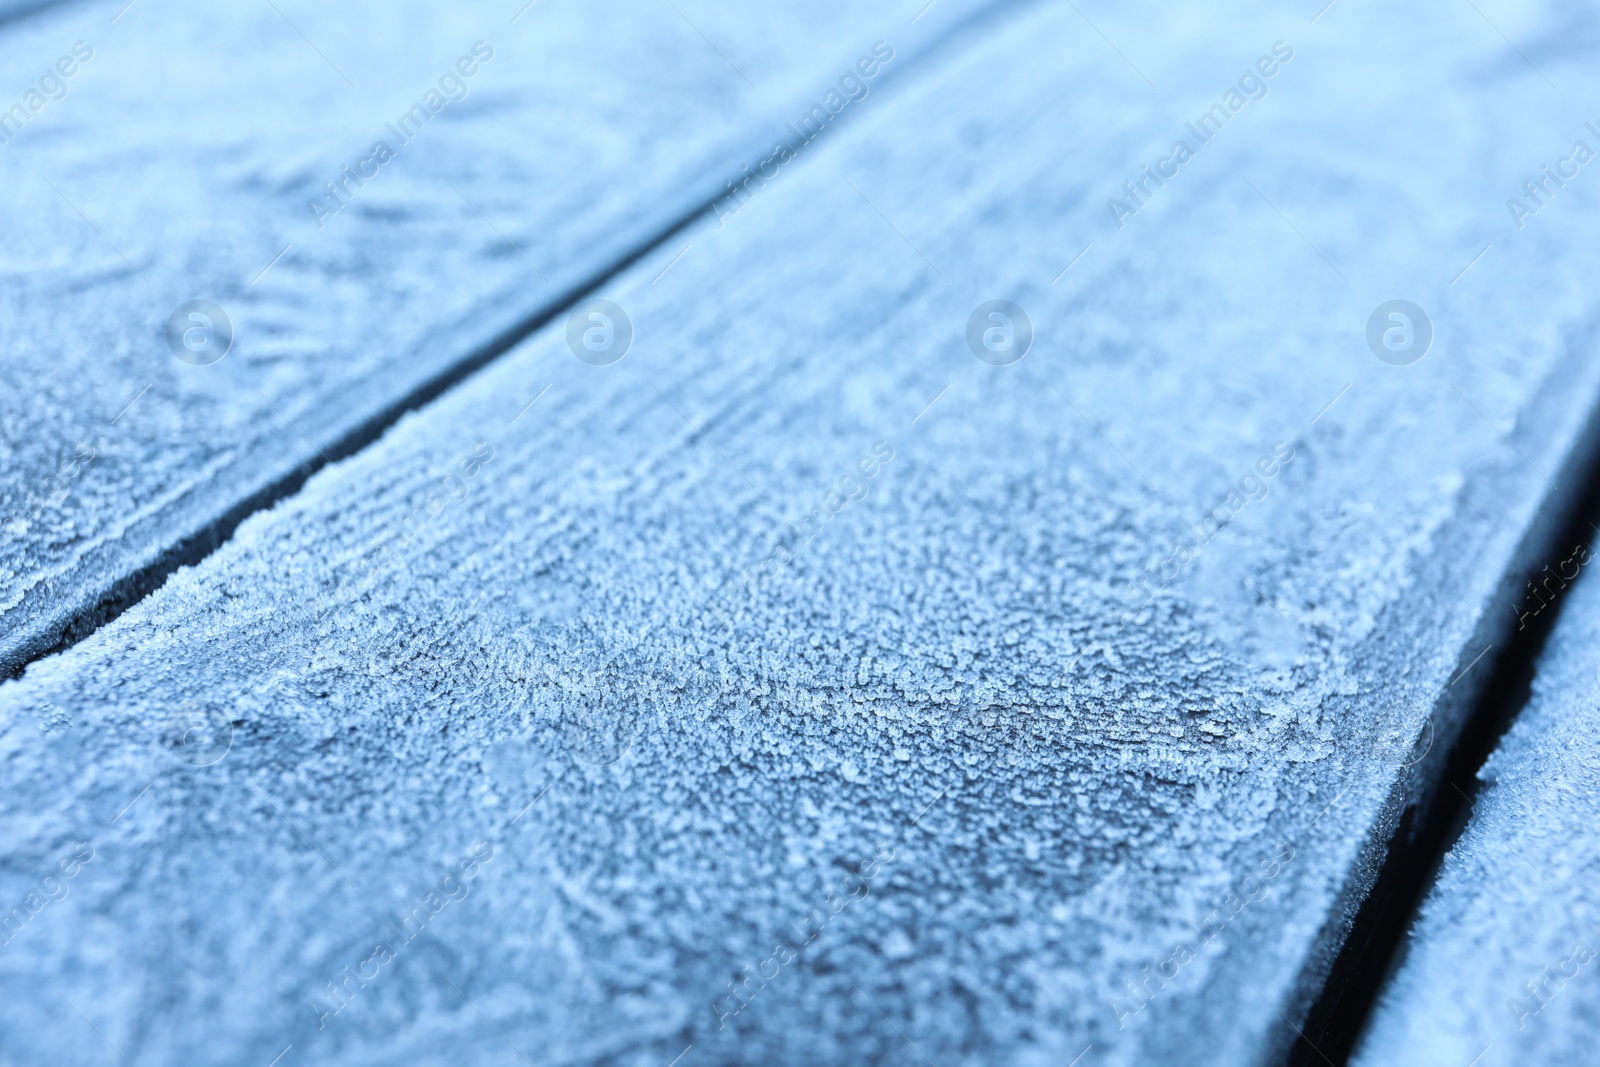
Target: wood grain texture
[
  {"x": 1499, "y": 967},
  {"x": 195, "y": 156},
  {"x": 822, "y": 693}
]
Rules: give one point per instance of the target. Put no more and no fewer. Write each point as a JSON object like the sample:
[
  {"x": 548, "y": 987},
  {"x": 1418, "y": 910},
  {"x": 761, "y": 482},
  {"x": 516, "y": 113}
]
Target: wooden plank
[
  {"x": 1498, "y": 967},
  {"x": 824, "y": 690},
  {"x": 354, "y": 279}
]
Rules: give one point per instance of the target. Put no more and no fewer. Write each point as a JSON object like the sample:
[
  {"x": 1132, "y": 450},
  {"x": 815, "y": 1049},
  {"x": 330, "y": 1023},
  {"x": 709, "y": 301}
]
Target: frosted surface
[
  {"x": 142, "y": 182},
  {"x": 572, "y": 614},
  {"x": 1500, "y": 963}
]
